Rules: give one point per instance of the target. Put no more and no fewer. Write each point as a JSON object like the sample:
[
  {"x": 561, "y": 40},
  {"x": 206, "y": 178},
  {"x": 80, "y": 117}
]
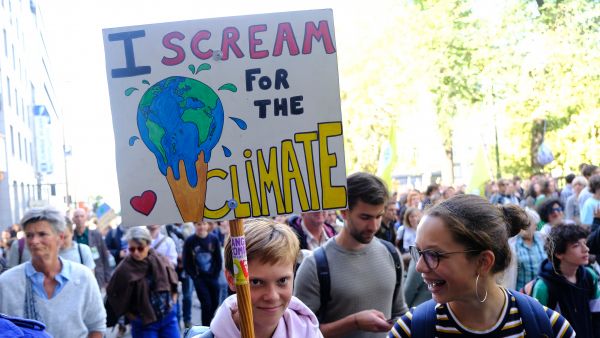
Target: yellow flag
[
  {"x": 388, "y": 159},
  {"x": 480, "y": 173}
]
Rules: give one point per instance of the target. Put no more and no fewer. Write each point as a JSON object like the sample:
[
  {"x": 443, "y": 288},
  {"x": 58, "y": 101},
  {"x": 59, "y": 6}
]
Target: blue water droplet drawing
[
  {"x": 240, "y": 123},
  {"x": 146, "y": 82},
  {"x": 132, "y": 140},
  {"x": 226, "y": 151},
  {"x": 192, "y": 69}
]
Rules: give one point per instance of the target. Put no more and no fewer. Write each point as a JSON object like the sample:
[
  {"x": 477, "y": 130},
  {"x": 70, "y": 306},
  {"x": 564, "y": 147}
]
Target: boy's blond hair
[{"x": 268, "y": 242}]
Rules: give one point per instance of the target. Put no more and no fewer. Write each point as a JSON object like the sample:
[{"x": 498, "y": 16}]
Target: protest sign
[{"x": 226, "y": 118}]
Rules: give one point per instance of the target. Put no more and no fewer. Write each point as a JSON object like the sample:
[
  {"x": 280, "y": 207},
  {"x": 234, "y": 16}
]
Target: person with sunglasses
[
  {"x": 461, "y": 245},
  {"x": 144, "y": 288},
  {"x": 551, "y": 213}
]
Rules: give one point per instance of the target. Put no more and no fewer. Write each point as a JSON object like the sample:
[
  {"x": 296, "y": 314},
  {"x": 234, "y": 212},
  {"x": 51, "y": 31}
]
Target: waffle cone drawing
[{"x": 190, "y": 200}]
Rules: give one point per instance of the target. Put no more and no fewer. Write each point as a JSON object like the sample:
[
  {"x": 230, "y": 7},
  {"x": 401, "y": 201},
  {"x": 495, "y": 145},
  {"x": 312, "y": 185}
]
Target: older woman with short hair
[
  {"x": 61, "y": 294},
  {"x": 572, "y": 211},
  {"x": 144, "y": 288}
]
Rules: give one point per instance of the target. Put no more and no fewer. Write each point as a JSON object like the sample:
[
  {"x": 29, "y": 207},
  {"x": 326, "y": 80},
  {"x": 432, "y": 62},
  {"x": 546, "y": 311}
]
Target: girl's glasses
[{"x": 432, "y": 258}]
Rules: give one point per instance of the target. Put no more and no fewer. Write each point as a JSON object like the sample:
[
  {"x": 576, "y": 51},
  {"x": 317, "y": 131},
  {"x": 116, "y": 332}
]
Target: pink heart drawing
[{"x": 144, "y": 203}]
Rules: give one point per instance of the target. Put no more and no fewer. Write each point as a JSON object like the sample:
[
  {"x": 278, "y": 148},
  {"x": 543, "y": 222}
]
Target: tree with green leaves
[{"x": 534, "y": 70}]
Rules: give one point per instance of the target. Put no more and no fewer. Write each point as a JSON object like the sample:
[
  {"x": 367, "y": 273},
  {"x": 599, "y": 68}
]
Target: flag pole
[{"x": 240, "y": 276}]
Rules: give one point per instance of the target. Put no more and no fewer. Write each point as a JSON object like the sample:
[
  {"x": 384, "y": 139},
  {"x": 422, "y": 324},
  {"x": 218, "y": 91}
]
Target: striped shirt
[{"x": 508, "y": 326}]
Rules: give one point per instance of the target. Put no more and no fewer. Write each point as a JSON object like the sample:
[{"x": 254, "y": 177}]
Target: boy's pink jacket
[{"x": 297, "y": 321}]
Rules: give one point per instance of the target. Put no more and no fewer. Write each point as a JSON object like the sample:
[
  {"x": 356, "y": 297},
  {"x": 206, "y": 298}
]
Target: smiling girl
[{"x": 461, "y": 245}]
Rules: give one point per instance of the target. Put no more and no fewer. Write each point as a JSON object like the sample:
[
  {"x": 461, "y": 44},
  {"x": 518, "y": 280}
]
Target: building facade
[{"x": 32, "y": 157}]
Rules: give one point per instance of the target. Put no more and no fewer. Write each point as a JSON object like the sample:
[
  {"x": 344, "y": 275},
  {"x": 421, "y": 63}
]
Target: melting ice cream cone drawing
[
  {"x": 180, "y": 120},
  {"x": 190, "y": 200}
]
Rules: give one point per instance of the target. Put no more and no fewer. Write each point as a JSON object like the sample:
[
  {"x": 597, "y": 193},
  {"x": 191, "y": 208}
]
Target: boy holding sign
[{"x": 272, "y": 249}]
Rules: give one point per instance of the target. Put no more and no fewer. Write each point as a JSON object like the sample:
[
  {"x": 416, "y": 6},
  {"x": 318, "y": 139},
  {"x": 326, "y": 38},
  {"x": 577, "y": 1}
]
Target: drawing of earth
[{"x": 179, "y": 117}]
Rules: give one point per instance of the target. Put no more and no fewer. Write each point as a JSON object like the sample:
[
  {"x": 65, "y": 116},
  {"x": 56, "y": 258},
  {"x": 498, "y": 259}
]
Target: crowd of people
[{"x": 438, "y": 263}]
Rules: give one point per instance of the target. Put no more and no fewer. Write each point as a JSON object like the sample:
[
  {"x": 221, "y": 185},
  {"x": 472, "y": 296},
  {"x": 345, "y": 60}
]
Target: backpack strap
[
  {"x": 528, "y": 288},
  {"x": 397, "y": 265},
  {"x": 324, "y": 280},
  {"x": 423, "y": 320},
  {"x": 21, "y": 248},
  {"x": 159, "y": 243},
  {"x": 534, "y": 318},
  {"x": 591, "y": 280},
  {"x": 80, "y": 255},
  {"x": 552, "y": 292},
  {"x": 400, "y": 236}
]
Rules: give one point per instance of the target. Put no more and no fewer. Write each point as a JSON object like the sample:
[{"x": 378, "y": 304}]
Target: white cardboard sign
[{"x": 226, "y": 118}]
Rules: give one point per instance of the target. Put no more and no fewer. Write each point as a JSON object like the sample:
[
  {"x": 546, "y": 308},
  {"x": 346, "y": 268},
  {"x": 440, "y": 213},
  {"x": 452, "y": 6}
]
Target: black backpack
[{"x": 325, "y": 278}]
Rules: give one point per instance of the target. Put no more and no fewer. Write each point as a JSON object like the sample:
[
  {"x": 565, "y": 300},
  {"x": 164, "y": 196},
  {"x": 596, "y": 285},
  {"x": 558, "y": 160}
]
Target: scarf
[
  {"x": 128, "y": 290},
  {"x": 30, "y": 309}
]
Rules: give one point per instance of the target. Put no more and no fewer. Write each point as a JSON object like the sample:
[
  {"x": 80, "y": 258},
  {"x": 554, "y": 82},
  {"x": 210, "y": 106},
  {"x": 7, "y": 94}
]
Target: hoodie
[
  {"x": 297, "y": 321},
  {"x": 572, "y": 300}
]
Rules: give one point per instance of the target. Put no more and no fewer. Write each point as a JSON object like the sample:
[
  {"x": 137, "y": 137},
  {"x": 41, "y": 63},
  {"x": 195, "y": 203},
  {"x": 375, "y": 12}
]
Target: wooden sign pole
[{"x": 240, "y": 269}]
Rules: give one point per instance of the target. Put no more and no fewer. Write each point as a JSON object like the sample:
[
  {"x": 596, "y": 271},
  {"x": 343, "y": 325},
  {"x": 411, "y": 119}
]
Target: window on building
[
  {"x": 16, "y": 197},
  {"x": 25, "y": 148},
  {"x": 13, "y": 58},
  {"x": 31, "y": 152},
  {"x": 8, "y": 91},
  {"x": 17, "y": 102},
  {"x": 23, "y": 199},
  {"x": 20, "y": 150},
  {"x": 5, "y": 43},
  {"x": 12, "y": 140},
  {"x": 25, "y": 111}
]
